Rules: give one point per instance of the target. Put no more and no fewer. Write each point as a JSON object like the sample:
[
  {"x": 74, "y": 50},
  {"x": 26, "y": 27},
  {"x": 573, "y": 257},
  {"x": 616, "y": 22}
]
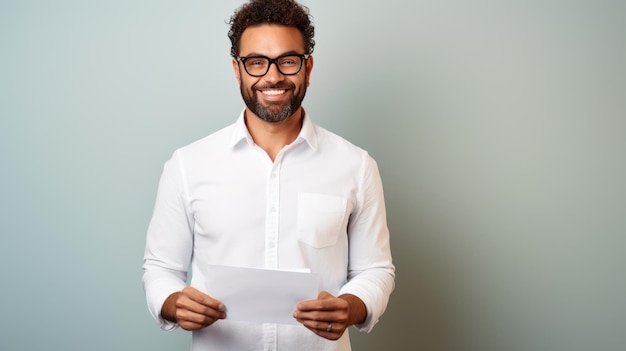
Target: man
[{"x": 273, "y": 191}]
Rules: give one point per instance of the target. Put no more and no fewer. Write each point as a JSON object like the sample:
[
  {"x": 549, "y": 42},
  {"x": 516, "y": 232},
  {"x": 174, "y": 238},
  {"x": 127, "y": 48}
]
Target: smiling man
[{"x": 274, "y": 191}]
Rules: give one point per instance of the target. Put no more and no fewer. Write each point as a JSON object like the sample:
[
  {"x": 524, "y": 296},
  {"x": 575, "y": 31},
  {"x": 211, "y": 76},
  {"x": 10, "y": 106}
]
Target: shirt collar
[
  {"x": 240, "y": 132},
  {"x": 307, "y": 133}
]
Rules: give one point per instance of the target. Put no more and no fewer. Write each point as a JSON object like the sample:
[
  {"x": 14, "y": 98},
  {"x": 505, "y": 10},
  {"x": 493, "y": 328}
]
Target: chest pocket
[{"x": 320, "y": 218}]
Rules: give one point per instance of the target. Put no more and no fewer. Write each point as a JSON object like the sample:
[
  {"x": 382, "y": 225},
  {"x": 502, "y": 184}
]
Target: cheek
[{"x": 245, "y": 84}]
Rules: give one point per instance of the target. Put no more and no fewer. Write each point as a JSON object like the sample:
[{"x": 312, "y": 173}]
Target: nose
[{"x": 273, "y": 74}]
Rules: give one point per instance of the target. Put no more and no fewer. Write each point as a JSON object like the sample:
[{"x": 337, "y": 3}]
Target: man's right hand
[{"x": 192, "y": 309}]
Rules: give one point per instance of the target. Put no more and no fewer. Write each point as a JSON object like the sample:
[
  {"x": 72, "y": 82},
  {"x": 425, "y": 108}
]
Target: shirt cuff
[{"x": 156, "y": 293}]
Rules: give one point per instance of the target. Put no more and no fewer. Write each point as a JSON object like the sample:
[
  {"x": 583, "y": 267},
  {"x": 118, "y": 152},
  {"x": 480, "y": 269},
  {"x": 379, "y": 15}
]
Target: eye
[
  {"x": 289, "y": 61},
  {"x": 256, "y": 62}
]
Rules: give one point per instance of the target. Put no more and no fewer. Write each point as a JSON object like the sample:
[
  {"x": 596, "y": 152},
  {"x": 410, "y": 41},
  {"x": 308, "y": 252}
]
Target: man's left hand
[{"x": 329, "y": 316}]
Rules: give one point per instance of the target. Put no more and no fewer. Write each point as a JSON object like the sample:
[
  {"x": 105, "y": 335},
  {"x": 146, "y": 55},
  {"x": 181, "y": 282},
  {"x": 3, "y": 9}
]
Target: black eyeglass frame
[{"x": 242, "y": 59}]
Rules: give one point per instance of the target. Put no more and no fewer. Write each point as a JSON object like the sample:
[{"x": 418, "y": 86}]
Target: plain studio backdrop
[{"x": 499, "y": 128}]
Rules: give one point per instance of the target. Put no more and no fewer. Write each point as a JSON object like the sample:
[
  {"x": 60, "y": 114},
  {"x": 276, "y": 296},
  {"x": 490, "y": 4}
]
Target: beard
[{"x": 274, "y": 112}]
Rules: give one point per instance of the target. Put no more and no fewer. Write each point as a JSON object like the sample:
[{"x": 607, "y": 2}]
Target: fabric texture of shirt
[{"x": 319, "y": 205}]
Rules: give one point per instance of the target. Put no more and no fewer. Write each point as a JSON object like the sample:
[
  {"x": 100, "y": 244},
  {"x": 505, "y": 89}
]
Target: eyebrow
[{"x": 254, "y": 54}]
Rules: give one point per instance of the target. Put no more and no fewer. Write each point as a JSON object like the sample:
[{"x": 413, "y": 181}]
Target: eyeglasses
[{"x": 258, "y": 66}]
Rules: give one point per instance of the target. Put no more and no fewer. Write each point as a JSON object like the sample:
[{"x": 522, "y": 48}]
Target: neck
[{"x": 273, "y": 136}]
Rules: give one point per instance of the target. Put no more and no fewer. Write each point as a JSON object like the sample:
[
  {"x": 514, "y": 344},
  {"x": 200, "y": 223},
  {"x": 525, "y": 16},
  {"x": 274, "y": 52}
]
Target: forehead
[{"x": 271, "y": 40}]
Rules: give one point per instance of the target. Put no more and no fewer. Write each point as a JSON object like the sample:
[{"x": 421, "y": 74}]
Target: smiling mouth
[{"x": 274, "y": 92}]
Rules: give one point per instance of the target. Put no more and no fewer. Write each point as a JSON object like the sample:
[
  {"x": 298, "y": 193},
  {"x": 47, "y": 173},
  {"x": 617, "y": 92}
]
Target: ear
[
  {"x": 237, "y": 71},
  {"x": 309, "y": 68}
]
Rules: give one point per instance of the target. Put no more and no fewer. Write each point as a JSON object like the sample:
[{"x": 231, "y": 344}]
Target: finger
[
  {"x": 326, "y": 303},
  {"x": 203, "y": 299},
  {"x": 194, "y": 316},
  {"x": 317, "y": 305},
  {"x": 315, "y": 317},
  {"x": 323, "y": 295},
  {"x": 331, "y": 331},
  {"x": 195, "y": 322},
  {"x": 196, "y": 312}
]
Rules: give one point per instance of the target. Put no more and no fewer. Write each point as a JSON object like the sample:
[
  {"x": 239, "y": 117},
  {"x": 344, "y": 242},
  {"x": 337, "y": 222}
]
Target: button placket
[
  {"x": 271, "y": 240},
  {"x": 272, "y": 216}
]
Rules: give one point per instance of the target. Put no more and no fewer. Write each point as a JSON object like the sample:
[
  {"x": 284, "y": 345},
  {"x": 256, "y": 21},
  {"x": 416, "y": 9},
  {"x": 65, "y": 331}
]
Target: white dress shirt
[{"x": 318, "y": 206}]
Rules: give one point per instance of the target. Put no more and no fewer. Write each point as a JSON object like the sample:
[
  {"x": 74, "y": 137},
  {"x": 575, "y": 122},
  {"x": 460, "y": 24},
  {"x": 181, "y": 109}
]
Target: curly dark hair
[{"x": 282, "y": 12}]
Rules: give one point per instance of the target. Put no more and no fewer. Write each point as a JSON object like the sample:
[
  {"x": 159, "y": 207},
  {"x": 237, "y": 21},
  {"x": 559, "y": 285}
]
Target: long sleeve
[
  {"x": 169, "y": 242},
  {"x": 371, "y": 272}
]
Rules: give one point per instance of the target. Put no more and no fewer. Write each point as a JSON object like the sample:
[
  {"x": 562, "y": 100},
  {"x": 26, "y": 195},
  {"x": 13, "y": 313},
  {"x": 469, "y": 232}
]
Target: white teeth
[{"x": 273, "y": 92}]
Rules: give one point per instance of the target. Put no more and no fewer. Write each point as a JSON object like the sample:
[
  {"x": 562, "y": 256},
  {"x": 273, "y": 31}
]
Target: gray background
[{"x": 498, "y": 127}]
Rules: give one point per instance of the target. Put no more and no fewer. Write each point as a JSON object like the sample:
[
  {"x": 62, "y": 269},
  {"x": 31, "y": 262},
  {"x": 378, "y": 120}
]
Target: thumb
[{"x": 324, "y": 295}]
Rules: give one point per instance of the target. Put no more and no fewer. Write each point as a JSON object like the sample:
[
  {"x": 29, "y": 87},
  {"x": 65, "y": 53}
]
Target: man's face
[{"x": 273, "y": 97}]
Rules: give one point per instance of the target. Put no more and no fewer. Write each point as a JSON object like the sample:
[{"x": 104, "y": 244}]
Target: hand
[
  {"x": 330, "y": 316},
  {"x": 192, "y": 309}
]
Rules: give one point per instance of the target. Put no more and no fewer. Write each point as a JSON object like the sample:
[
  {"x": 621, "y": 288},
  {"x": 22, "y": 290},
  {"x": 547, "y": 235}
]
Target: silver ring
[{"x": 329, "y": 328}]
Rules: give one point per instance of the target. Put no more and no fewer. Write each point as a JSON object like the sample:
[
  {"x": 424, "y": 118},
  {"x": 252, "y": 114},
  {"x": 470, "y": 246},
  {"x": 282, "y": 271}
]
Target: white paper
[{"x": 260, "y": 295}]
